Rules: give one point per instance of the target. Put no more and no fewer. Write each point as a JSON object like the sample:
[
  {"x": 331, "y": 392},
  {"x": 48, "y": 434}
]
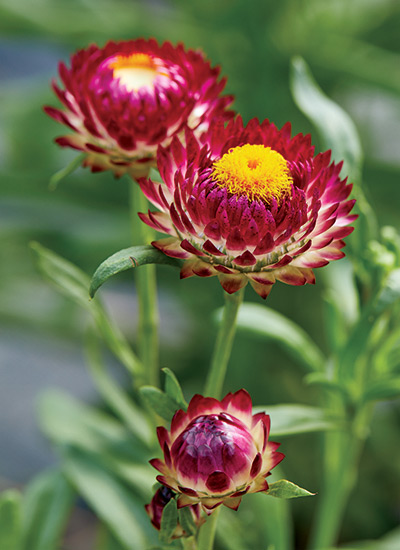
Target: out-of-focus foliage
[{"x": 354, "y": 54}]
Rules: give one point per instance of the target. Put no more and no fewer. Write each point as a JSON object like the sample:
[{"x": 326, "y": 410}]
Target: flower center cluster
[
  {"x": 136, "y": 70},
  {"x": 256, "y": 171}
]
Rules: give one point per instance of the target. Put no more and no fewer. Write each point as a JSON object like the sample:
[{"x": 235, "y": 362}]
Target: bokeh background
[{"x": 353, "y": 49}]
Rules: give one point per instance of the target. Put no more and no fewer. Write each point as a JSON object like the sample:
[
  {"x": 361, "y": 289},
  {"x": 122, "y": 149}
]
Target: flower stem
[
  {"x": 145, "y": 279},
  {"x": 213, "y": 388},
  {"x": 342, "y": 451},
  {"x": 207, "y": 532},
  {"x": 223, "y": 345}
]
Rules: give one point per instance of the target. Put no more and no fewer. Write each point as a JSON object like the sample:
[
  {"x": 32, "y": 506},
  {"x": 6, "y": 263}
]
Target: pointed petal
[
  {"x": 233, "y": 502},
  {"x": 171, "y": 247},
  {"x": 232, "y": 283}
]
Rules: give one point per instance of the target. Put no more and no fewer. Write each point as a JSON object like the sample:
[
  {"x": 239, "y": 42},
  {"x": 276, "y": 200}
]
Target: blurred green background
[{"x": 353, "y": 49}]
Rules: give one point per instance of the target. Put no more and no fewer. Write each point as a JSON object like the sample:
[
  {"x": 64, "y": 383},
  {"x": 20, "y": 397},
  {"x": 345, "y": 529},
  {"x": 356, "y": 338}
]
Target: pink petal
[
  {"x": 186, "y": 245},
  {"x": 218, "y": 482},
  {"x": 232, "y": 283},
  {"x": 245, "y": 259},
  {"x": 209, "y": 247},
  {"x": 291, "y": 276},
  {"x": 171, "y": 247}
]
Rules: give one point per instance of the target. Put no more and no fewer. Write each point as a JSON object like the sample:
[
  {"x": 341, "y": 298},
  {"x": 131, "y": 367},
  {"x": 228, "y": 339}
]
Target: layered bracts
[
  {"x": 249, "y": 204},
  {"x": 216, "y": 452},
  {"x": 125, "y": 99}
]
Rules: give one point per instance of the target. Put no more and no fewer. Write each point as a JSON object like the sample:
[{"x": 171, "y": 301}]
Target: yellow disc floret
[
  {"x": 255, "y": 171},
  {"x": 136, "y": 70}
]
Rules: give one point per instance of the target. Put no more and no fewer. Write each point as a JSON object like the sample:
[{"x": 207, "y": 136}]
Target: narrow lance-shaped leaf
[
  {"x": 334, "y": 125},
  {"x": 128, "y": 258},
  {"x": 113, "y": 503},
  {"x": 186, "y": 520},
  {"x": 74, "y": 284},
  {"x": 117, "y": 399},
  {"x": 67, "y": 422},
  {"x": 159, "y": 402},
  {"x": 355, "y": 346},
  {"x": 296, "y": 419},
  {"x": 286, "y": 489},
  {"x": 66, "y": 171},
  {"x": 381, "y": 390},
  {"x": 265, "y": 322},
  {"x": 47, "y": 503},
  {"x": 173, "y": 389},
  {"x": 169, "y": 521},
  {"x": 338, "y": 133}
]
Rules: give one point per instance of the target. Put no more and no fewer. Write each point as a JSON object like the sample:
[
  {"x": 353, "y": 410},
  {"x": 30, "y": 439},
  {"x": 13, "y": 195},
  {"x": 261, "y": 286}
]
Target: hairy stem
[
  {"x": 223, "y": 345},
  {"x": 207, "y": 532},
  {"x": 342, "y": 451},
  {"x": 145, "y": 279}
]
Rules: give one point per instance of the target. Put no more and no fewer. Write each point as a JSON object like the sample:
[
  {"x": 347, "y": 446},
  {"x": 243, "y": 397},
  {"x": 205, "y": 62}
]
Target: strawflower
[
  {"x": 124, "y": 99},
  {"x": 156, "y": 507},
  {"x": 249, "y": 204},
  {"x": 216, "y": 452}
]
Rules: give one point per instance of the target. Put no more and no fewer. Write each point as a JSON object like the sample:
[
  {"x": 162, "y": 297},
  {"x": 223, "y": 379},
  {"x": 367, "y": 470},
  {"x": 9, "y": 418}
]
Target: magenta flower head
[
  {"x": 156, "y": 507},
  {"x": 216, "y": 452},
  {"x": 125, "y": 99},
  {"x": 249, "y": 204}
]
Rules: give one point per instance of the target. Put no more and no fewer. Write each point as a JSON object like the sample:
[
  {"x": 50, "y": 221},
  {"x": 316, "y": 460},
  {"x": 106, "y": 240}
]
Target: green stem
[
  {"x": 223, "y": 345},
  {"x": 145, "y": 279},
  {"x": 207, "y": 532},
  {"x": 213, "y": 388},
  {"x": 342, "y": 451}
]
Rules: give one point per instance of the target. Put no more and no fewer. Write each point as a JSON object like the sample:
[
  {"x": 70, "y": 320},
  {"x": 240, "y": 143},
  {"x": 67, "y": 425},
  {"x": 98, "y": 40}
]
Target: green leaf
[
  {"x": 47, "y": 503},
  {"x": 128, "y": 258},
  {"x": 186, "y": 520},
  {"x": 74, "y": 284},
  {"x": 66, "y": 171},
  {"x": 169, "y": 521},
  {"x": 387, "y": 356},
  {"x": 267, "y": 323},
  {"x": 159, "y": 402},
  {"x": 287, "y": 489},
  {"x": 322, "y": 379},
  {"x": 66, "y": 421},
  {"x": 296, "y": 419},
  {"x": 173, "y": 389},
  {"x": 391, "y": 541},
  {"x": 338, "y": 133},
  {"x": 10, "y": 520},
  {"x": 118, "y": 401},
  {"x": 381, "y": 390},
  {"x": 113, "y": 503},
  {"x": 334, "y": 125},
  {"x": 69, "y": 423},
  {"x": 356, "y": 343}
]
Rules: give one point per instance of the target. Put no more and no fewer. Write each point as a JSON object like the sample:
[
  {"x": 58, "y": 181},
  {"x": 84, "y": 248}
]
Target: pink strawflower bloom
[
  {"x": 156, "y": 507},
  {"x": 216, "y": 452},
  {"x": 125, "y": 99},
  {"x": 249, "y": 204}
]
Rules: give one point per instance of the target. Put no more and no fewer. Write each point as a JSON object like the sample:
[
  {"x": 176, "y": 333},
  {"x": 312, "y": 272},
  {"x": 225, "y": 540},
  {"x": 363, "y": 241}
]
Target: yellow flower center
[
  {"x": 255, "y": 171},
  {"x": 136, "y": 70}
]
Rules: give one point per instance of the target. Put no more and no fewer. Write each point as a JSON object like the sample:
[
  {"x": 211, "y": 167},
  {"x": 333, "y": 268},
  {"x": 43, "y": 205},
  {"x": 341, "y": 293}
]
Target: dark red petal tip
[{"x": 217, "y": 482}]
